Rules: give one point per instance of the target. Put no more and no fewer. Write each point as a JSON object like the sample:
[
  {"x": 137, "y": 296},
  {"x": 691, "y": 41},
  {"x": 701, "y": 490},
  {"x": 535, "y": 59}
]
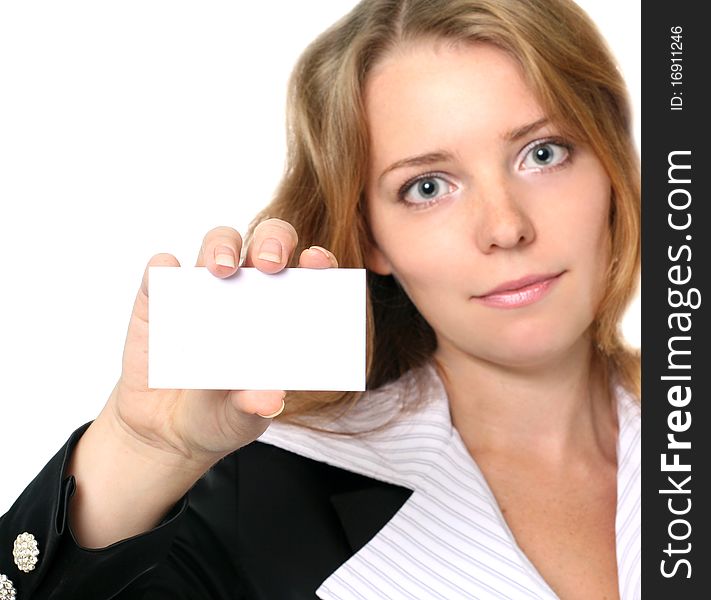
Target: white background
[{"x": 131, "y": 128}]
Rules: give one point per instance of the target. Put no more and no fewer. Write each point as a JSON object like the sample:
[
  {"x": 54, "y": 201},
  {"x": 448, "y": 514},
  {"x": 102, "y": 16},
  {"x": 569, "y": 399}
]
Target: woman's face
[{"x": 494, "y": 224}]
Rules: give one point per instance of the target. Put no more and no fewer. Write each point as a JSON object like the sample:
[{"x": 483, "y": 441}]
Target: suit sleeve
[{"x": 187, "y": 556}]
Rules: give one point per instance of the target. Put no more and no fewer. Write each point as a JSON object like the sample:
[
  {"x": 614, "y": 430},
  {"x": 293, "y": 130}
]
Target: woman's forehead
[{"x": 429, "y": 94}]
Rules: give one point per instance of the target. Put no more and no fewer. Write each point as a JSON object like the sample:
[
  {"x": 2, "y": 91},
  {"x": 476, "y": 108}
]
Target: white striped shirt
[{"x": 449, "y": 541}]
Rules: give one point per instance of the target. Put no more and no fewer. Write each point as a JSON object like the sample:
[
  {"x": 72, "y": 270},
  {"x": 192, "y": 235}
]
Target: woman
[{"x": 475, "y": 156}]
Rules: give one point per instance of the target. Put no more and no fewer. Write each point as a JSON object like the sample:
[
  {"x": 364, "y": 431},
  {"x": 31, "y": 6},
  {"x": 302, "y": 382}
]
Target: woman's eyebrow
[
  {"x": 442, "y": 156},
  {"x": 418, "y": 161},
  {"x": 524, "y": 130}
]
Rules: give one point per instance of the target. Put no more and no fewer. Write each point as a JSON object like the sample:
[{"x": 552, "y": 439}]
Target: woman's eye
[
  {"x": 425, "y": 189},
  {"x": 545, "y": 155}
]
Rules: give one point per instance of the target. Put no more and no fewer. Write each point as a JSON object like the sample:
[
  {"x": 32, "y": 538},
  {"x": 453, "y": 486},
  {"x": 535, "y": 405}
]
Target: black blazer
[{"x": 264, "y": 523}]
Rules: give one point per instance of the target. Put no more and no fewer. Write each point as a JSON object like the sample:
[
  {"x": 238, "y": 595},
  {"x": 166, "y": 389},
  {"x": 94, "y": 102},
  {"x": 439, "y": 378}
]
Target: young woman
[{"x": 476, "y": 157}]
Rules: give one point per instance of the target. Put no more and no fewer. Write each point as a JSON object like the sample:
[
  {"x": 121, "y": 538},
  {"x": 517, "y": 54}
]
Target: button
[
  {"x": 7, "y": 590},
  {"x": 25, "y": 552}
]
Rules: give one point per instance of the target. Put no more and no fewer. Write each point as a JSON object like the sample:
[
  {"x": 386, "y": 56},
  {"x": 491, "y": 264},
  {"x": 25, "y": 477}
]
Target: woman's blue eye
[
  {"x": 425, "y": 189},
  {"x": 545, "y": 155}
]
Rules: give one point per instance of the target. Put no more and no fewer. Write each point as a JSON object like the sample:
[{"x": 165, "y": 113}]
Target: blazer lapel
[
  {"x": 365, "y": 511},
  {"x": 417, "y": 554}
]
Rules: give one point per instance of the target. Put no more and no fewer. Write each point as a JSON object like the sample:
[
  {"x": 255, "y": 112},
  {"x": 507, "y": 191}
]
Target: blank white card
[{"x": 301, "y": 329}]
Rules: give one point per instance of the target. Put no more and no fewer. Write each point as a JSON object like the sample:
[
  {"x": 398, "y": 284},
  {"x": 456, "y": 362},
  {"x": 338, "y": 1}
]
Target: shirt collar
[{"x": 449, "y": 540}]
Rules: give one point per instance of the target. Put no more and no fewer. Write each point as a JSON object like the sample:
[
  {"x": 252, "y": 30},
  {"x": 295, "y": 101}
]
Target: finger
[
  {"x": 220, "y": 251},
  {"x": 140, "y": 307},
  {"x": 317, "y": 257},
  {"x": 272, "y": 245},
  {"x": 266, "y": 404},
  {"x": 158, "y": 260}
]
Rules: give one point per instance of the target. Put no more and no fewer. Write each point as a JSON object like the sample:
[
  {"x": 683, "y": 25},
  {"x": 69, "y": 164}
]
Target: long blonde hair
[{"x": 572, "y": 73}]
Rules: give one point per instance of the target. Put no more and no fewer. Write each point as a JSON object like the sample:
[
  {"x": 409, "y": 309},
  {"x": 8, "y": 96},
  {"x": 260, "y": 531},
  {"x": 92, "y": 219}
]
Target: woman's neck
[{"x": 550, "y": 412}]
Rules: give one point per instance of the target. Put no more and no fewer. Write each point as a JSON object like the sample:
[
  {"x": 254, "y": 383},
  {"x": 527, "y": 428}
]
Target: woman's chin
[
  {"x": 536, "y": 351},
  {"x": 534, "y": 343}
]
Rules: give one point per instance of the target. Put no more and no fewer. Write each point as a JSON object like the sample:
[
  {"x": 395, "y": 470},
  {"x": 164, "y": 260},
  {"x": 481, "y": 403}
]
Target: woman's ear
[{"x": 376, "y": 261}]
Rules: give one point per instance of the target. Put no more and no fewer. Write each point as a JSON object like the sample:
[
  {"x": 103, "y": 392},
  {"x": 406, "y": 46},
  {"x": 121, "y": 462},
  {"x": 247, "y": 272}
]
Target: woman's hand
[
  {"x": 203, "y": 425},
  {"x": 149, "y": 446}
]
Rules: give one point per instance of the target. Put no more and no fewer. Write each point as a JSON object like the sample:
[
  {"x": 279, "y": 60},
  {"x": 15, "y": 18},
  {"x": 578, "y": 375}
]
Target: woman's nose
[{"x": 501, "y": 221}]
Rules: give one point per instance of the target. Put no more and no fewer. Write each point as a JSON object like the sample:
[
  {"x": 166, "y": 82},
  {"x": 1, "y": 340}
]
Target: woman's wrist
[{"x": 124, "y": 486}]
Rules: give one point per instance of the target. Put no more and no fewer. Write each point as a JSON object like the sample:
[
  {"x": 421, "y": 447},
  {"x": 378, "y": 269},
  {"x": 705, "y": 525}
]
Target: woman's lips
[{"x": 522, "y": 292}]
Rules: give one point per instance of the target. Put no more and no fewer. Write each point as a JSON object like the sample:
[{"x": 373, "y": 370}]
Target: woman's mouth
[{"x": 520, "y": 292}]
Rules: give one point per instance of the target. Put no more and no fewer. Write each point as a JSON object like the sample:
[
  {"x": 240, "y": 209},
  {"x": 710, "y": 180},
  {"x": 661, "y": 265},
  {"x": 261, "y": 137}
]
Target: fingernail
[
  {"x": 224, "y": 257},
  {"x": 276, "y": 414},
  {"x": 323, "y": 251},
  {"x": 270, "y": 250}
]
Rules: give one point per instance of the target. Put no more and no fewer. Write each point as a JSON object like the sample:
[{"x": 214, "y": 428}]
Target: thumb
[
  {"x": 140, "y": 307},
  {"x": 266, "y": 404}
]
